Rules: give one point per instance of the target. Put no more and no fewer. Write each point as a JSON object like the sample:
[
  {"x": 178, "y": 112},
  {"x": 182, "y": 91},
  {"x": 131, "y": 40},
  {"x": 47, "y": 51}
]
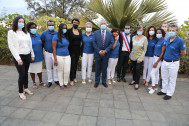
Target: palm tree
[{"x": 134, "y": 12}]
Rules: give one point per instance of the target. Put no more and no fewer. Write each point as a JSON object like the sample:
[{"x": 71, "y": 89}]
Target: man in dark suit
[
  {"x": 125, "y": 39},
  {"x": 102, "y": 43}
]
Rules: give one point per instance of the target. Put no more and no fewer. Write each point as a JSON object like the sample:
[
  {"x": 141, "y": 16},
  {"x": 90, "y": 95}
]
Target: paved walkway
[{"x": 118, "y": 105}]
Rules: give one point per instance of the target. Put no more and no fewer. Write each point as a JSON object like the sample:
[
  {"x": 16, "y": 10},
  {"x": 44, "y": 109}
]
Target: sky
[{"x": 180, "y": 8}]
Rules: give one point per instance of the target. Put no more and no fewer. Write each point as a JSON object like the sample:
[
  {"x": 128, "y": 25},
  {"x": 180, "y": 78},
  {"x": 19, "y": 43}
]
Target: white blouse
[{"x": 20, "y": 43}]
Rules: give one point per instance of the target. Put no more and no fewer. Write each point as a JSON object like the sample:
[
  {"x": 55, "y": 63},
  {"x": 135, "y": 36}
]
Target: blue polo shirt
[
  {"x": 115, "y": 53},
  {"x": 173, "y": 49},
  {"x": 151, "y": 46},
  {"x": 37, "y": 47},
  {"x": 47, "y": 36},
  {"x": 62, "y": 48},
  {"x": 158, "y": 47},
  {"x": 88, "y": 43}
]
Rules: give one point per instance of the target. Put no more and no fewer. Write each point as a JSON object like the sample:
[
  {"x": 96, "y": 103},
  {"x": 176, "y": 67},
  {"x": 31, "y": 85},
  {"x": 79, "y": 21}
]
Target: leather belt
[
  {"x": 171, "y": 60},
  {"x": 156, "y": 55},
  {"x": 125, "y": 51},
  {"x": 48, "y": 51}
]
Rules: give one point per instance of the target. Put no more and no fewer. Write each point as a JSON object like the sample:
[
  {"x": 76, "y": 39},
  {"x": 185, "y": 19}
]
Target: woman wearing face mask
[
  {"x": 148, "y": 59},
  {"x": 88, "y": 53},
  {"x": 20, "y": 45},
  {"x": 138, "y": 52},
  {"x": 75, "y": 39},
  {"x": 36, "y": 65},
  {"x": 113, "y": 56},
  {"x": 61, "y": 56},
  {"x": 157, "y": 60}
]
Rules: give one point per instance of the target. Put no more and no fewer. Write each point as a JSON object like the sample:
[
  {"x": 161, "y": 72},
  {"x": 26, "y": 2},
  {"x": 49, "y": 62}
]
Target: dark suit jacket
[
  {"x": 98, "y": 44},
  {"x": 121, "y": 42}
]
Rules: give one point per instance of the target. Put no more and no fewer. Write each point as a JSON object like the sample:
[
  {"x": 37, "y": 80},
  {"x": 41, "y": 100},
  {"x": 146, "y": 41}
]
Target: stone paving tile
[
  {"x": 6, "y": 111},
  {"x": 2, "y": 119},
  {"x": 139, "y": 115},
  {"x": 20, "y": 113},
  {"x": 90, "y": 111},
  {"x": 156, "y": 116},
  {"x": 141, "y": 123},
  {"x": 124, "y": 122},
  {"x": 106, "y": 121},
  {"x": 84, "y": 105},
  {"x": 122, "y": 114},
  {"x": 12, "y": 122},
  {"x": 87, "y": 121},
  {"x": 52, "y": 117},
  {"x": 69, "y": 120},
  {"x": 91, "y": 102},
  {"x": 74, "y": 109},
  {"x": 107, "y": 103},
  {"x": 106, "y": 112},
  {"x": 36, "y": 115}
]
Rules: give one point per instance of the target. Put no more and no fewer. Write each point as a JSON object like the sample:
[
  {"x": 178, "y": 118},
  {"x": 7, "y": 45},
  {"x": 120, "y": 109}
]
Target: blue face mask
[
  {"x": 51, "y": 28},
  {"x": 64, "y": 31},
  {"x": 139, "y": 33},
  {"x": 171, "y": 34},
  {"x": 103, "y": 27},
  {"x": 159, "y": 36},
  {"x": 20, "y": 25},
  {"x": 33, "y": 30},
  {"x": 127, "y": 31}
]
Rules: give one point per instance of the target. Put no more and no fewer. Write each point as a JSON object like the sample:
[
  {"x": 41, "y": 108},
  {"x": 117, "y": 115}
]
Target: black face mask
[{"x": 75, "y": 26}]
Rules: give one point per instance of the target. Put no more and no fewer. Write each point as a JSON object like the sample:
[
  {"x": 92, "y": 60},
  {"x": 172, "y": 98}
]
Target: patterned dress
[{"x": 139, "y": 49}]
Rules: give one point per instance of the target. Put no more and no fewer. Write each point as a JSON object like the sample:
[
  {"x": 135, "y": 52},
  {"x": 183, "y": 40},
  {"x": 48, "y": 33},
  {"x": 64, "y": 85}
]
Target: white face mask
[
  {"x": 151, "y": 33},
  {"x": 88, "y": 29}
]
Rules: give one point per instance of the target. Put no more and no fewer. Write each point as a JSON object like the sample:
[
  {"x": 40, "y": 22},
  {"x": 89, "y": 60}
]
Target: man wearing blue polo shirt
[
  {"x": 46, "y": 38},
  {"x": 175, "y": 47}
]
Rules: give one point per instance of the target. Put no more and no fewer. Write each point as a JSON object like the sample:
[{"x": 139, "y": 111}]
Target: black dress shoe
[
  {"x": 49, "y": 84},
  {"x": 96, "y": 85},
  {"x": 57, "y": 82},
  {"x": 123, "y": 79},
  {"x": 105, "y": 85},
  {"x": 136, "y": 88},
  {"x": 161, "y": 93},
  {"x": 131, "y": 83},
  {"x": 118, "y": 79},
  {"x": 166, "y": 97}
]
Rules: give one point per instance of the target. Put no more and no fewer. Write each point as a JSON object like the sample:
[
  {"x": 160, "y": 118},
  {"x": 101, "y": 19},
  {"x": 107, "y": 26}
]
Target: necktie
[{"x": 103, "y": 38}]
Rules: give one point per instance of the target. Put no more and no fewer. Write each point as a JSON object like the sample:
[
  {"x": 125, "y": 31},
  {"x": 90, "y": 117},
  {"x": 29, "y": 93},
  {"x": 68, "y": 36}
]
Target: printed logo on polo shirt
[{"x": 172, "y": 47}]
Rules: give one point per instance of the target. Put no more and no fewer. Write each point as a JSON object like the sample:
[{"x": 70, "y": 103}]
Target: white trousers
[
  {"x": 87, "y": 65},
  {"x": 64, "y": 64},
  {"x": 155, "y": 71},
  {"x": 111, "y": 67},
  {"x": 49, "y": 64},
  {"x": 169, "y": 72},
  {"x": 148, "y": 65}
]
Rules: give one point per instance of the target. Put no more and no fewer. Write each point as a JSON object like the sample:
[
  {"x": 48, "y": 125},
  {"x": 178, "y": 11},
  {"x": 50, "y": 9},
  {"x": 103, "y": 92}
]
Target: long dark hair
[
  {"x": 15, "y": 24},
  {"x": 147, "y": 32},
  {"x": 60, "y": 32}
]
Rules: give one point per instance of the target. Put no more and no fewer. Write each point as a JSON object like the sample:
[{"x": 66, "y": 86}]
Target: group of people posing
[{"x": 109, "y": 49}]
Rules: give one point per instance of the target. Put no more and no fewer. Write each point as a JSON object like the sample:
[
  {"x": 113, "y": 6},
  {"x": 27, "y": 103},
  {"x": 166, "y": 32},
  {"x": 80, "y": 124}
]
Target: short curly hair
[{"x": 29, "y": 24}]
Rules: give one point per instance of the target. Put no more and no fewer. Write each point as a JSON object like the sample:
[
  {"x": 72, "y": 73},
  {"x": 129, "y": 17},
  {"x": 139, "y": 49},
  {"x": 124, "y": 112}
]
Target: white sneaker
[
  {"x": 109, "y": 81},
  {"x": 154, "y": 88},
  {"x": 151, "y": 91},
  {"x": 113, "y": 81},
  {"x": 83, "y": 82}
]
